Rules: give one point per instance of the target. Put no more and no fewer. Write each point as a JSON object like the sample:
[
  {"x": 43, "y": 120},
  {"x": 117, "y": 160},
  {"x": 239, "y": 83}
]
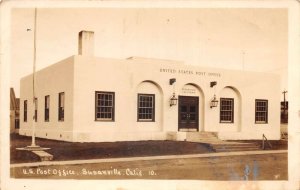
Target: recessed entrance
[{"x": 188, "y": 113}]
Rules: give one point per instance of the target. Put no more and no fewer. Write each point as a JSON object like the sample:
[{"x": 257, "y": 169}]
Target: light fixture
[
  {"x": 214, "y": 102},
  {"x": 173, "y": 100}
]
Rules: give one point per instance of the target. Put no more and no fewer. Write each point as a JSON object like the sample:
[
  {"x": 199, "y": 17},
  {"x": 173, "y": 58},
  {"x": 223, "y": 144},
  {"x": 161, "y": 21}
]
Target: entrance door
[{"x": 188, "y": 113}]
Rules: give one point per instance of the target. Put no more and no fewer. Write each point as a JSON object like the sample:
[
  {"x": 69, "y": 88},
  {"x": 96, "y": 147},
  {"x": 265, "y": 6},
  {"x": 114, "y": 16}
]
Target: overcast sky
[{"x": 204, "y": 37}]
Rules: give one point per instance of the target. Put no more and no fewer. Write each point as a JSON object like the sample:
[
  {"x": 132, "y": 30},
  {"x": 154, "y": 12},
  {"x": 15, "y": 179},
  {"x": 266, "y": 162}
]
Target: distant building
[
  {"x": 89, "y": 99},
  {"x": 14, "y": 112}
]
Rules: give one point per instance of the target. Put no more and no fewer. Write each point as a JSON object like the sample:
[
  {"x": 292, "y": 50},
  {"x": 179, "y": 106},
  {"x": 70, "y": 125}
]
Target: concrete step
[
  {"x": 201, "y": 135},
  {"x": 203, "y": 141},
  {"x": 218, "y": 145},
  {"x": 214, "y": 139},
  {"x": 235, "y": 145},
  {"x": 236, "y": 149},
  {"x": 241, "y": 148},
  {"x": 203, "y": 138}
]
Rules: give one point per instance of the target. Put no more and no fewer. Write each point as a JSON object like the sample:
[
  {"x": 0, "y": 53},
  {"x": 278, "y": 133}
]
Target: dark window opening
[
  {"x": 47, "y": 108},
  {"x": 61, "y": 106},
  {"x": 35, "y": 109},
  {"x": 25, "y": 110}
]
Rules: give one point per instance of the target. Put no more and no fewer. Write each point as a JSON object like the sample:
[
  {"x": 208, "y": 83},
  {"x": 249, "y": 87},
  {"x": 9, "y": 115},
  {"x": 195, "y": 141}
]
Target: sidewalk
[{"x": 105, "y": 160}]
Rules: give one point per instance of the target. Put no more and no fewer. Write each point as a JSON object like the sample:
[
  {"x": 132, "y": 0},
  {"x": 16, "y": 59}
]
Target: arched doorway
[{"x": 190, "y": 108}]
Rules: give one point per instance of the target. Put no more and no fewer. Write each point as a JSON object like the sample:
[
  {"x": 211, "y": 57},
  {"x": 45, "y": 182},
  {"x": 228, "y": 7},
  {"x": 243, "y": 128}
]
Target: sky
[{"x": 239, "y": 39}]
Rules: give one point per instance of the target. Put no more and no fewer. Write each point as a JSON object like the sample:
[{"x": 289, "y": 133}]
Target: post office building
[{"x": 90, "y": 99}]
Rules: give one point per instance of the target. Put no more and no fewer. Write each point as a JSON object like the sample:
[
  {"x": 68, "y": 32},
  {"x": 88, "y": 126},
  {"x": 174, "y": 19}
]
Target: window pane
[
  {"x": 104, "y": 105},
  {"x": 25, "y": 111},
  {"x": 35, "y": 109},
  {"x": 47, "y": 107},
  {"x": 193, "y": 109},
  {"x": 183, "y": 109},
  {"x": 261, "y": 111},
  {"x": 226, "y": 110},
  {"x": 61, "y": 97},
  {"x": 145, "y": 107}
]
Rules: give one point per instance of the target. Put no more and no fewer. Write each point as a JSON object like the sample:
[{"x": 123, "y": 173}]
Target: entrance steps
[
  {"x": 219, "y": 145},
  {"x": 234, "y": 147},
  {"x": 202, "y": 137}
]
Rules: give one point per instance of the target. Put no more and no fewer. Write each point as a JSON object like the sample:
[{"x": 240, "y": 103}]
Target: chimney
[{"x": 86, "y": 43}]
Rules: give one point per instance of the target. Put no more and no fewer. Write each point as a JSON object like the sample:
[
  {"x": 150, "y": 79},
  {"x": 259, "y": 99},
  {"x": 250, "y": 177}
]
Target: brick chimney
[{"x": 86, "y": 43}]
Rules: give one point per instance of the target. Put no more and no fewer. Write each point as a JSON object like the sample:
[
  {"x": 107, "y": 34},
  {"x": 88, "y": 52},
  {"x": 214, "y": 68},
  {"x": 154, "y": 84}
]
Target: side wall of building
[
  {"x": 49, "y": 82},
  {"x": 120, "y": 78}
]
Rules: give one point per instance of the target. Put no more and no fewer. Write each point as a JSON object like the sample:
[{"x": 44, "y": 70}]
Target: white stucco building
[{"x": 89, "y": 99}]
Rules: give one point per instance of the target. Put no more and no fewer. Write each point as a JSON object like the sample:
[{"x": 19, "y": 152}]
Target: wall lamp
[
  {"x": 214, "y": 102},
  {"x": 173, "y": 99}
]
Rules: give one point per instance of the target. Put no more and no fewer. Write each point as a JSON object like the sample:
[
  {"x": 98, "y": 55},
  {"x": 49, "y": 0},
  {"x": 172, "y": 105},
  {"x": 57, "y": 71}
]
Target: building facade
[{"x": 89, "y": 99}]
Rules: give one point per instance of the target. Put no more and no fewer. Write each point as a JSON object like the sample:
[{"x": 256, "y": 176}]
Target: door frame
[{"x": 197, "y": 115}]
